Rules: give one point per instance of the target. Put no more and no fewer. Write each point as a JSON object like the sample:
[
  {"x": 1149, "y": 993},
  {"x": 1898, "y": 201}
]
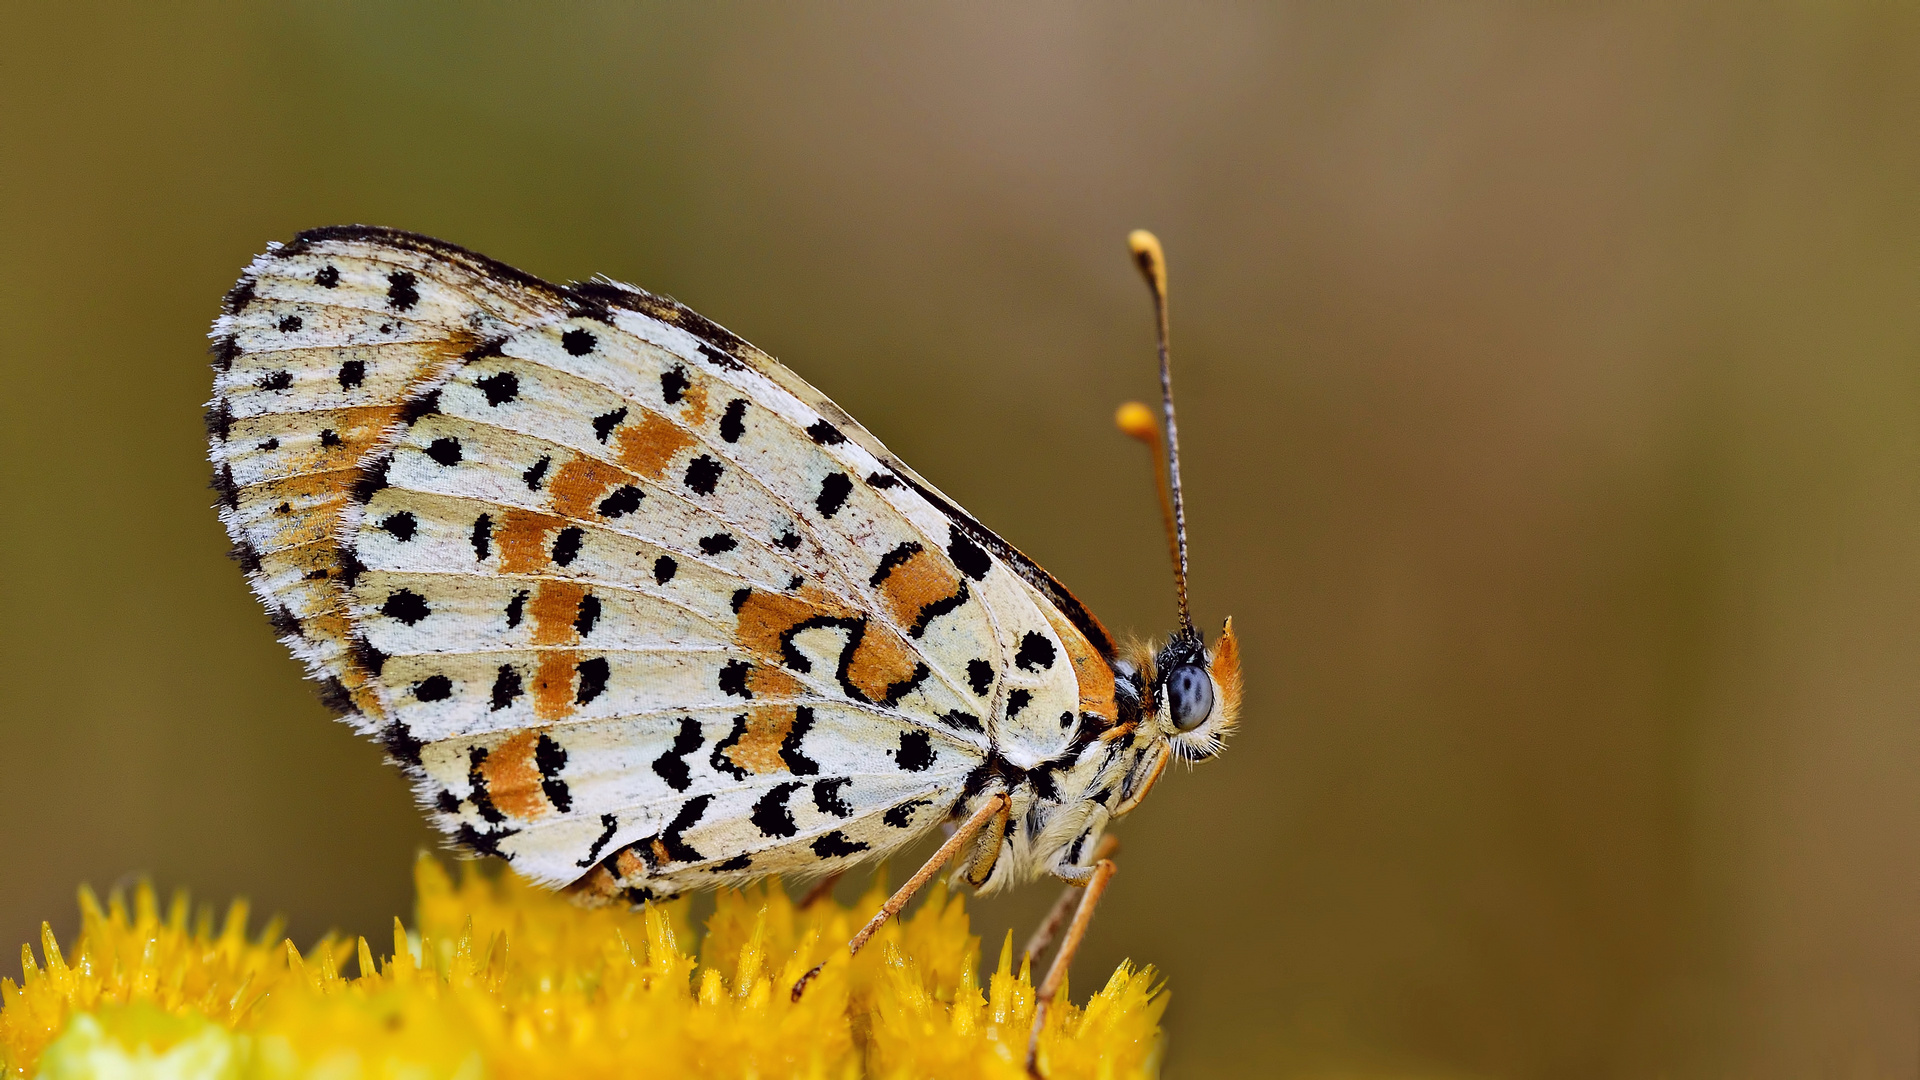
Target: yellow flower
[{"x": 500, "y": 979}]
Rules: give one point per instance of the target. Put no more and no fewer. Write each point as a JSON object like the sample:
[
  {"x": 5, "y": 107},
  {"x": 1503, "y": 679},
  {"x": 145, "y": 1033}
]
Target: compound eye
[{"x": 1189, "y": 696}]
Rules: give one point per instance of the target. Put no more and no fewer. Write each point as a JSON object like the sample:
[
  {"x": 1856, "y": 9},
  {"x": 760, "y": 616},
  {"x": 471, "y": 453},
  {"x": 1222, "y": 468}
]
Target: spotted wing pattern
[{"x": 637, "y": 608}]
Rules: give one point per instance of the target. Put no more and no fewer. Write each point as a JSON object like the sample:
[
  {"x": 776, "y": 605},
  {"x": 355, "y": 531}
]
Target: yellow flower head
[{"x": 502, "y": 979}]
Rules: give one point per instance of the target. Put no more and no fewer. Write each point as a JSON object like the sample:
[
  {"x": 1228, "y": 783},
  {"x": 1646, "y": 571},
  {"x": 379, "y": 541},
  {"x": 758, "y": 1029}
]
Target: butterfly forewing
[{"x": 636, "y": 606}]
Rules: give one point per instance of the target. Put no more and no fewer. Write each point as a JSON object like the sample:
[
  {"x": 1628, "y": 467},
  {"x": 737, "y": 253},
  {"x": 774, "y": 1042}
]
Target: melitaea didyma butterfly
[{"x": 640, "y": 611}]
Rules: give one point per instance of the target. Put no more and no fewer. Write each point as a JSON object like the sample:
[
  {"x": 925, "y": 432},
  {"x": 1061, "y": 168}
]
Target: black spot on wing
[
  {"x": 593, "y": 679},
  {"x": 220, "y": 420},
  {"x": 892, "y": 560},
  {"x": 733, "y": 679},
  {"x": 966, "y": 554},
  {"x": 290, "y": 323},
  {"x": 901, "y": 816},
  {"x": 739, "y": 600},
  {"x": 624, "y": 500},
  {"x": 604, "y": 424},
  {"x": 586, "y": 615},
  {"x": 446, "y": 802},
  {"x": 732, "y": 422},
  {"x": 826, "y": 797},
  {"x": 788, "y": 540},
  {"x": 663, "y": 569},
  {"x": 238, "y": 297},
  {"x": 1036, "y": 652},
  {"x": 482, "y": 843},
  {"x": 718, "y": 543},
  {"x": 445, "y": 450},
  {"x": 401, "y": 525},
  {"x": 334, "y": 696},
  {"x": 366, "y": 657},
  {"x": 500, "y": 387},
  {"x": 883, "y": 481},
  {"x": 770, "y": 813},
  {"x": 427, "y": 404},
  {"x": 798, "y": 763},
  {"x": 401, "y": 293},
  {"x": 833, "y": 494},
  {"x": 703, "y": 474},
  {"x": 609, "y": 824},
  {"x": 566, "y": 545},
  {"x": 550, "y": 757},
  {"x": 719, "y": 760},
  {"x": 825, "y": 434},
  {"x": 482, "y": 537},
  {"x": 915, "y": 753},
  {"x": 578, "y": 342},
  {"x": 246, "y": 555},
  {"x": 328, "y": 277},
  {"x": 720, "y": 359},
  {"x": 898, "y": 690},
  {"x": 689, "y": 816},
  {"x": 933, "y": 609},
  {"x": 405, "y": 605},
  {"x": 352, "y": 374},
  {"x": 516, "y": 608},
  {"x": 1017, "y": 701},
  {"x": 960, "y": 718},
  {"x": 284, "y": 623},
  {"x": 835, "y": 845},
  {"x": 673, "y": 384},
  {"x": 979, "y": 677},
  {"x": 738, "y": 862},
  {"x": 478, "y": 794},
  {"x": 506, "y": 687},
  {"x": 372, "y": 480},
  {"x": 277, "y": 380},
  {"x": 225, "y": 351},
  {"x": 400, "y": 743},
  {"x": 672, "y": 766},
  {"x": 535, "y": 473},
  {"x": 223, "y": 483},
  {"x": 329, "y": 438}
]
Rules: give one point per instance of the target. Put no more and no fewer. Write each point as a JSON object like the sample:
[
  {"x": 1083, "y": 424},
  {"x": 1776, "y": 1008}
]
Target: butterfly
[{"x": 640, "y": 611}]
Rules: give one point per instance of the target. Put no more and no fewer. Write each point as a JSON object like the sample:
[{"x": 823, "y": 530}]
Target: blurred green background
[{"x": 1551, "y": 393}]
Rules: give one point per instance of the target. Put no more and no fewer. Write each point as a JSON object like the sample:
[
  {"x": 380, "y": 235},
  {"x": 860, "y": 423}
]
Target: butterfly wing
[{"x": 636, "y": 607}]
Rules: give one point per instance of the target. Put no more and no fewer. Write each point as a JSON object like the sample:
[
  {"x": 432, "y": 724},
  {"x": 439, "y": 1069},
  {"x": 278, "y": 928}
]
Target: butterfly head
[{"x": 1193, "y": 692}]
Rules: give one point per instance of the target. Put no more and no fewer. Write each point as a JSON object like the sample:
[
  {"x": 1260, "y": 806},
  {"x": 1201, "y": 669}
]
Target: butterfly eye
[{"x": 1189, "y": 696}]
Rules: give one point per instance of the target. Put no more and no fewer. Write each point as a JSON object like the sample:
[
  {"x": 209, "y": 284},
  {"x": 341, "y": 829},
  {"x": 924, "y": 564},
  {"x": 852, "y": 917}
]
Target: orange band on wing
[
  {"x": 513, "y": 780},
  {"x": 648, "y": 444},
  {"x": 556, "y": 604}
]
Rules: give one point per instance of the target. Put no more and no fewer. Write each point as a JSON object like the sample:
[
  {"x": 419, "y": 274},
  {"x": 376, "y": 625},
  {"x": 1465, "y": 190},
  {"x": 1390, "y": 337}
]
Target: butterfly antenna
[{"x": 1136, "y": 420}]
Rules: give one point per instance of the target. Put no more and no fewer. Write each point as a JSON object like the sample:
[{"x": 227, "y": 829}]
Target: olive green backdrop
[{"x": 1551, "y": 385}]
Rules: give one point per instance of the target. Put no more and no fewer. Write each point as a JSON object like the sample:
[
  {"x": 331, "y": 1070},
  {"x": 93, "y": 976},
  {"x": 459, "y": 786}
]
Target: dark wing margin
[{"x": 592, "y": 299}]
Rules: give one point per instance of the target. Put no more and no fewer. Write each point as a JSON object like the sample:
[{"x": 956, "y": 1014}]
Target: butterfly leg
[
  {"x": 1095, "y": 884},
  {"x": 1049, "y": 927},
  {"x": 992, "y": 808}
]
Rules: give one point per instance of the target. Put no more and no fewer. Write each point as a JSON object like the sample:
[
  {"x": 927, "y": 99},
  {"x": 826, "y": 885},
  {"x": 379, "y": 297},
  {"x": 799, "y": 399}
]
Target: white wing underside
[{"x": 605, "y": 588}]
